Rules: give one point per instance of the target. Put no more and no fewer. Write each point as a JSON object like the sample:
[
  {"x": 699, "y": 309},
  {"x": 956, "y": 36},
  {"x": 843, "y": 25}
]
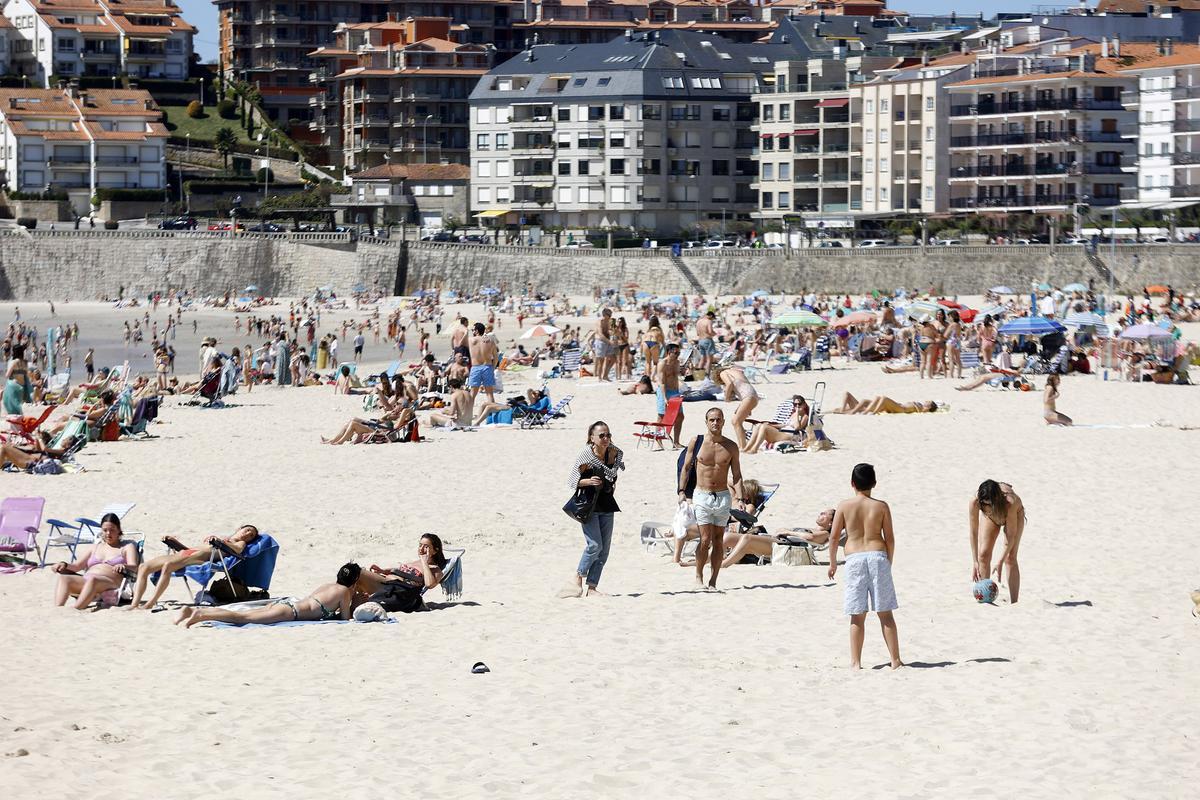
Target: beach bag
[
  {"x": 111, "y": 431},
  {"x": 690, "y": 486},
  {"x": 790, "y": 555},
  {"x": 685, "y": 517},
  {"x": 579, "y": 507},
  {"x": 47, "y": 466}
]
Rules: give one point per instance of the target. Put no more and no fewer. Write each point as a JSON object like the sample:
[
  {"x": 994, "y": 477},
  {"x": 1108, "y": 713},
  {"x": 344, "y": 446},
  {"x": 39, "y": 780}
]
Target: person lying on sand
[
  {"x": 458, "y": 412},
  {"x": 643, "y": 386},
  {"x": 180, "y": 557},
  {"x": 882, "y": 405},
  {"x": 997, "y": 377},
  {"x": 328, "y": 601},
  {"x": 532, "y": 396}
]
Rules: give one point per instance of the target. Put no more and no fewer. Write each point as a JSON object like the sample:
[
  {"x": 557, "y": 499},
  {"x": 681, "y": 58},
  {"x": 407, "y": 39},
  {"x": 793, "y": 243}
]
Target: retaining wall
[{"x": 88, "y": 264}]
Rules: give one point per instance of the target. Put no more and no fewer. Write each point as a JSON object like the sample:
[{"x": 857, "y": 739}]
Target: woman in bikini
[
  {"x": 1049, "y": 397},
  {"x": 652, "y": 345},
  {"x": 995, "y": 506},
  {"x": 16, "y": 388},
  {"x": 100, "y": 568},
  {"x": 180, "y": 557},
  {"x": 954, "y": 346},
  {"x": 987, "y": 339},
  {"x": 937, "y": 345},
  {"x": 738, "y": 388},
  {"x": 328, "y": 601},
  {"x": 790, "y": 431},
  {"x": 883, "y": 405},
  {"x": 400, "y": 588},
  {"x": 624, "y": 360}
]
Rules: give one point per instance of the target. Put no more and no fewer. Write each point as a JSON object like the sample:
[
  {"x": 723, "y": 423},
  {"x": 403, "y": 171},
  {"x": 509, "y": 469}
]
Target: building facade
[
  {"x": 65, "y": 39},
  {"x": 431, "y": 196}
]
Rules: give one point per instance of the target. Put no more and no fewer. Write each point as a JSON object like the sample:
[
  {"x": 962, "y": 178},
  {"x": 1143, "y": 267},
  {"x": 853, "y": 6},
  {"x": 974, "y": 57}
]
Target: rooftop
[{"x": 416, "y": 172}]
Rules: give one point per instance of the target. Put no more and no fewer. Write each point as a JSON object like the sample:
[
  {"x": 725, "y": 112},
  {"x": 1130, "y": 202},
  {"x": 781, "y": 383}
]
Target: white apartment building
[
  {"x": 79, "y": 141},
  {"x": 1166, "y": 100},
  {"x": 72, "y": 38}
]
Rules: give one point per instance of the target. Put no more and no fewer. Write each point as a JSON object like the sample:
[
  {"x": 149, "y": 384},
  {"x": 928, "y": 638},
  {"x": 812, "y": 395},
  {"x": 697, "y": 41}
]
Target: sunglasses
[{"x": 603, "y": 435}]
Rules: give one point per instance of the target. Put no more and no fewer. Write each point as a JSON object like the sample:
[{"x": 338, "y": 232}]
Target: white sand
[{"x": 1088, "y": 685}]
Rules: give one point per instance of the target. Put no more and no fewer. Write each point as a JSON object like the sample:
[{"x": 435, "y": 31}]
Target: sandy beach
[{"x": 1086, "y": 687}]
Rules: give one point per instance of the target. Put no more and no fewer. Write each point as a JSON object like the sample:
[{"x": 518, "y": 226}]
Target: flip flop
[{"x": 479, "y": 668}]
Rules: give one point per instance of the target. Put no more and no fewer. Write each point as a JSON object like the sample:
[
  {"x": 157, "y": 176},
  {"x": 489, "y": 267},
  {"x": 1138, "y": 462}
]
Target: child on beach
[{"x": 870, "y": 548}]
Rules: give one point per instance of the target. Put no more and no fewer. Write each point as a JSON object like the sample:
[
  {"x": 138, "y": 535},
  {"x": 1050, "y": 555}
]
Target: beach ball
[{"x": 985, "y": 591}]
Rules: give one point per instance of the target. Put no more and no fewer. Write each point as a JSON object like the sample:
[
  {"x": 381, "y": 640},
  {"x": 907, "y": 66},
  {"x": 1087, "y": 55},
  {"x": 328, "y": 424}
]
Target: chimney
[
  {"x": 821, "y": 17},
  {"x": 1116, "y": 46},
  {"x": 856, "y": 29},
  {"x": 1104, "y": 47}
]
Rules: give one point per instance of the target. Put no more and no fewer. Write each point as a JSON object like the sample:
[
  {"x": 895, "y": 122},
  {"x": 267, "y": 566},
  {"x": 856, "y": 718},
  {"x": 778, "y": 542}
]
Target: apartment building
[
  {"x": 649, "y": 131},
  {"x": 396, "y": 92},
  {"x": 7, "y": 35},
  {"x": 1038, "y": 131},
  {"x": 71, "y": 38},
  {"x": 427, "y": 195},
  {"x": 268, "y": 42},
  {"x": 598, "y": 21},
  {"x": 79, "y": 141},
  {"x": 1166, "y": 101}
]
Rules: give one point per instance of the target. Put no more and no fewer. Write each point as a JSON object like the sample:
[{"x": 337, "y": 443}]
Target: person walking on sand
[
  {"x": 870, "y": 550},
  {"x": 718, "y": 484},
  {"x": 998, "y": 506},
  {"x": 595, "y": 469},
  {"x": 1049, "y": 397},
  {"x": 482, "y": 349},
  {"x": 667, "y": 374},
  {"x": 705, "y": 345},
  {"x": 604, "y": 347}
]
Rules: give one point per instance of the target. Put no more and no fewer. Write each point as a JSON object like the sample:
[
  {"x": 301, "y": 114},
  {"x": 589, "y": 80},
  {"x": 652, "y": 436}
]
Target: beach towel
[{"x": 291, "y": 623}]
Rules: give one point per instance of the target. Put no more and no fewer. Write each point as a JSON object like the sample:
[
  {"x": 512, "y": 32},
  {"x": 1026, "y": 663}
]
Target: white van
[{"x": 873, "y": 243}]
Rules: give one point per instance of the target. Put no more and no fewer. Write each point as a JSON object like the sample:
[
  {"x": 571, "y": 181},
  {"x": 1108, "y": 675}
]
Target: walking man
[
  {"x": 718, "y": 484},
  {"x": 705, "y": 346},
  {"x": 602, "y": 346},
  {"x": 483, "y": 364},
  {"x": 668, "y": 387}
]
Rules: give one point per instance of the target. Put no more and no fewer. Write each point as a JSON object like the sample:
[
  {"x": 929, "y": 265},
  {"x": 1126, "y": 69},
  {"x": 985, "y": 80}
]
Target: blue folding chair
[{"x": 254, "y": 566}]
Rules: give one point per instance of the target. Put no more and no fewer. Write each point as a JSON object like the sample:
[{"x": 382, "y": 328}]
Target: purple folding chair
[{"x": 20, "y": 518}]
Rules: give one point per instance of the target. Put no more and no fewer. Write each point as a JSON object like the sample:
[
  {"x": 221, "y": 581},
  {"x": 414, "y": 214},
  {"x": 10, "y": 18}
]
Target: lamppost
[
  {"x": 263, "y": 139},
  {"x": 187, "y": 138},
  {"x": 425, "y": 139}
]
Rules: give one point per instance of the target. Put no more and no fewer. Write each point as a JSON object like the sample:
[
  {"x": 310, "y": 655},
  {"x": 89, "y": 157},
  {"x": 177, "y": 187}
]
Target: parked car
[
  {"x": 716, "y": 244},
  {"x": 266, "y": 227},
  {"x": 829, "y": 244},
  {"x": 474, "y": 238},
  {"x": 947, "y": 242},
  {"x": 178, "y": 224},
  {"x": 579, "y": 244},
  {"x": 440, "y": 236},
  {"x": 776, "y": 246},
  {"x": 224, "y": 226},
  {"x": 1075, "y": 240},
  {"x": 873, "y": 243}
]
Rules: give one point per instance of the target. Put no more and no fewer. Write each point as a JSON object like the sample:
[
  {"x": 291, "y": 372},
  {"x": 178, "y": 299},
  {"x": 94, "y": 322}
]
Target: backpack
[{"x": 689, "y": 487}]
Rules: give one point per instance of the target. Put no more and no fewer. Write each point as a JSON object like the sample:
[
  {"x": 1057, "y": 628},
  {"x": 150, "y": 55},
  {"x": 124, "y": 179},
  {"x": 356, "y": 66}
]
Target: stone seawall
[{"x": 92, "y": 264}]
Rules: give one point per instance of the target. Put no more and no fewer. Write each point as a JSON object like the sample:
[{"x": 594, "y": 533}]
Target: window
[
  {"x": 484, "y": 194},
  {"x": 870, "y": 137},
  {"x": 928, "y": 192},
  {"x": 482, "y": 141},
  {"x": 582, "y": 168},
  {"x": 603, "y": 81},
  {"x": 691, "y": 139},
  {"x": 649, "y": 166},
  {"x": 868, "y": 165},
  {"x": 1164, "y": 148},
  {"x": 483, "y": 169},
  {"x": 66, "y": 45},
  {"x": 929, "y": 133},
  {"x": 672, "y": 82},
  {"x": 768, "y": 113},
  {"x": 883, "y": 165},
  {"x": 651, "y": 111},
  {"x": 721, "y": 114},
  {"x": 616, "y": 112},
  {"x": 883, "y": 106},
  {"x": 721, "y": 139},
  {"x": 706, "y": 83},
  {"x": 616, "y": 166},
  {"x": 768, "y": 144},
  {"x": 1148, "y": 149},
  {"x": 883, "y": 135},
  {"x": 785, "y": 199},
  {"x": 785, "y": 171},
  {"x": 784, "y": 141},
  {"x": 869, "y": 194},
  {"x": 502, "y": 171},
  {"x": 501, "y": 141},
  {"x": 768, "y": 200},
  {"x": 883, "y": 192},
  {"x": 870, "y": 107},
  {"x": 616, "y": 140},
  {"x": 929, "y": 103},
  {"x": 564, "y": 141},
  {"x": 720, "y": 168},
  {"x": 768, "y": 172},
  {"x": 503, "y": 114},
  {"x": 595, "y": 113},
  {"x": 929, "y": 163},
  {"x": 564, "y": 114},
  {"x": 785, "y": 113},
  {"x": 564, "y": 168},
  {"x": 483, "y": 115},
  {"x": 580, "y": 81},
  {"x": 618, "y": 194},
  {"x": 566, "y": 194}
]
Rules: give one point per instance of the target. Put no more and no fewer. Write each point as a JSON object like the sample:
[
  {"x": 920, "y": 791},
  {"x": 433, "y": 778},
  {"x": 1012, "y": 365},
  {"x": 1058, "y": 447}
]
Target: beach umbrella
[
  {"x": 759, "y": 293},
  {"x": 994, "y": 311},
  {"x": 1088, "y": 319},
  {"x": 1031, "y": 326},
  {"x": 325, "y": 288},
  {"x": 1144, "y": 331},
  {"x": 1158, "y": 289},
  {"x": 1001, "y": 290},
  {"x": 540, "y": 330},
  {"x": 855, "y": 318},
  {"x": 642, "y": 295},
  {"x": 250, "y": 288},
  {"x": 801, "y": 318},
  {"x": 919, "y": 308},
  {"x": 632, "y": 285},
  {"x": 358, "y": 288},
  {"x": 1075, "y": 287}
]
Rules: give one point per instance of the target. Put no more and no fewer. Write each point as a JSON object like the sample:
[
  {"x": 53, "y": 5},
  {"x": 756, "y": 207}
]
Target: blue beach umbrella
[
  {"x": 358, "y": 288},
  {"x": 759, "y": 293},
  {"x": 642, "y": 295},
  {"x": 1074, "y": 287},
  {"x": 1044, "y": 287},
  {"x": 1030, "y": 326},
  {"x": 251, "y": 288},
  {"x": 1001, "y": 290}
]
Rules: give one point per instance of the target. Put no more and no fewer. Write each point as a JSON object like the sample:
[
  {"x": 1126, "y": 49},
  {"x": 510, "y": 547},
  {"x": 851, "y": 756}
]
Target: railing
[
  {"x": 1131, "y": 192},
  {"x": 1035, "y": 137},
  {"x": 1187, "y": 125},
  {"x": 1186, "y": 190},
  {"x": 801, "y": 87},
  {"x": 1025, "y": 106},
  {"x": 116, "y": 160},
  {"x": 1013, "y": 201},
  {"x": 1185, "y": 92}
]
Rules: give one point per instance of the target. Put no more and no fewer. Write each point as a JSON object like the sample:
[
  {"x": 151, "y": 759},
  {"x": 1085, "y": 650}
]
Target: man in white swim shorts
[
  {"x": 870, "y": 548},
  {"x": 718, "y": 484}
]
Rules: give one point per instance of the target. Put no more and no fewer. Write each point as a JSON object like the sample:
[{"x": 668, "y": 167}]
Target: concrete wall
[{"x": 89, "y": 264}]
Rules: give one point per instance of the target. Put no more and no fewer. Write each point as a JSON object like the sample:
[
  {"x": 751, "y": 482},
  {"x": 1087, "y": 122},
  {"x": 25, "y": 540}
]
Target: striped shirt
[{"x": 588, "y": 459}]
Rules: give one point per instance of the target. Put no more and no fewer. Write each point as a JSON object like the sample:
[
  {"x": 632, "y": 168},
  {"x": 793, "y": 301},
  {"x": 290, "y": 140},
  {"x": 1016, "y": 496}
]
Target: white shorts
[
  {"x": 712, "y": 508},
  {"x": 869, "y": 577}
]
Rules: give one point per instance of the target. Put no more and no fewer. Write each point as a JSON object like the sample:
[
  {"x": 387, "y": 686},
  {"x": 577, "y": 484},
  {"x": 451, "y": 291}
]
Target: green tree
[{"x": 225, "y": 141}]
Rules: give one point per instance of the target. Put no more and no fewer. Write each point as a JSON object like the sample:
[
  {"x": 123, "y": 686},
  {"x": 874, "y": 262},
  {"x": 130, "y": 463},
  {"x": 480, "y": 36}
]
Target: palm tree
[{"x": 225, "y": 141}]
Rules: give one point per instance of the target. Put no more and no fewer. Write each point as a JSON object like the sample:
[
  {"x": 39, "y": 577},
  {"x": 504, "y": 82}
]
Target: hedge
[
  {"x": 53, "y": 194},
  {"x": 151, "y": 195}
]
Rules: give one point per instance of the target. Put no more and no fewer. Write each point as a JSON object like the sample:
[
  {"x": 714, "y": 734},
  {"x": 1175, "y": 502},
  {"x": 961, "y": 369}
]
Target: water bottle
[{"x": 1106, "y": 374}]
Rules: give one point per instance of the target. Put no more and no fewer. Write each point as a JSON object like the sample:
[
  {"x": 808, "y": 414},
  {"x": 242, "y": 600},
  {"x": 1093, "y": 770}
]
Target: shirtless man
[
  {"x": 999, "y": 507},
  {"x": 718, "y": 484},
  {"x": 667, "y": 376},
  {"x": 459, "y": 369},
  {"x": 870, "y": 548},
  {"x": 458, "y": 412},
  {"x": 602, "y": 346},
  {"x": 483, "y": 364},
  {"x": 705, "y": 346},
  {"x": 328, "y": 601},
  {"x": 458, "y": 338}
]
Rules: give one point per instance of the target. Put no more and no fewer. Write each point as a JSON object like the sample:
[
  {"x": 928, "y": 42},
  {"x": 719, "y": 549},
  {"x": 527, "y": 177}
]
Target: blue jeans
[{"x": 598, "y": 533}]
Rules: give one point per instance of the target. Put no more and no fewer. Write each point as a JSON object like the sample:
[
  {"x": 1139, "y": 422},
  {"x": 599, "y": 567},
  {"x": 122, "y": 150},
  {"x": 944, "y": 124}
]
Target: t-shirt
[{"x": 359, "y": 340}]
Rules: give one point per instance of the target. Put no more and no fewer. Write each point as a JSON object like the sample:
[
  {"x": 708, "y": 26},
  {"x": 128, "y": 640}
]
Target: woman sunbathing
[
  {"x": 532, "y": 397},
  {"x": 100, "y": 568},
  {"x": 328, "y": 601},
  {"x": 790, "y": 431},
  {"x": 643, "y": 386},
  {"x": 400, "y": 416},
  {"x": 742, "y": 544},
  {"x": 882, "y": 405},
  {"x": 35, "y": 453},
  {"x": 400, "y": 588},
  {"x": 181, "y": 557}
]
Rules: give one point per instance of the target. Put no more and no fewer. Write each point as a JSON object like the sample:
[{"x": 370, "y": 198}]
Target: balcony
[
  {"x": 1186, "y": 190},
  {"x": 372, "y": 97},
  {"x": 538, "y": 122},
  {"x": 1031, "y": 106},
  {"x": 1187, "y": 125},
  {"x": 1131, "y": 192},
  {"x": 1002, "y": 139},
  {"x": 1185, "y": 93},
  {"x": 1131, "y": 99},
  {"x": 1014, "y": 201},
  {"x": 93, "y": 56},
  {"x": 115, "y": 161},
  {"x": 371, "y": 120},
  {"x": 70, "y": 161},
  {"x": 372, "y": 144}
]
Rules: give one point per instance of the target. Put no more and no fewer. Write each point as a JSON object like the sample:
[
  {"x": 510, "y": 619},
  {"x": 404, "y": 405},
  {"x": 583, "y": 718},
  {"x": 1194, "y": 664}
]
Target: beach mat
[{"x": 290, "y": 623}]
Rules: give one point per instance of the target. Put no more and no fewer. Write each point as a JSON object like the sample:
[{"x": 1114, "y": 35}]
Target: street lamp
[
  {"x": 425, "y": 139},
  {"x": 263, "y": 139}
]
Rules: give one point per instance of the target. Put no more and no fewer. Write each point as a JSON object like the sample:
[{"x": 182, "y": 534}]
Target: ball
[{"x": 985, "y": 591}]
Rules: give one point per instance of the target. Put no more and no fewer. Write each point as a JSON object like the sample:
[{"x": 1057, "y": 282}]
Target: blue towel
[{"x": 291, "y": 623}]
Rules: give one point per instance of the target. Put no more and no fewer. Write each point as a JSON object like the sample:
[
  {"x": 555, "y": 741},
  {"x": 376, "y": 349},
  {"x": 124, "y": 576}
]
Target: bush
[
  {"x": 150, "y": 195},
  {"x": 27, "y": 222},
  {"x": 195, "y": 110},
  {"x": 227, "y": 109},
  {"x": 53, "y": 194},
  {"x": 111, "y": 224},
  {"x": 265, "y": 173}
]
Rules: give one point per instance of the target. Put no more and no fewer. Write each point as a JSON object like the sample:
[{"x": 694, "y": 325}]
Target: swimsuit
[
  {"x": 326, "y": 614},
  {"x": 868, "y": 583},
  {"x": 290, "y": 603},
  {"x": 663, "y": 396},
  {"x": 743, "y": 390},
  {"x": 705, "y": 346},
  {"x": 482, "y": 375},
  {"x": 712, "y": 508}
]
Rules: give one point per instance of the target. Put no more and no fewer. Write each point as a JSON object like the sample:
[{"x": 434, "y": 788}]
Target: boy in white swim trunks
[{"x": 870, "y": 547}]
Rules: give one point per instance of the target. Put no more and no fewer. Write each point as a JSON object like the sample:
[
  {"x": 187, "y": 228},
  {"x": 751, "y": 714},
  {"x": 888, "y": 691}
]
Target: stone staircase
[
  {"x": 689, "y": 276},
  {"x": 1100, "y": 267}
]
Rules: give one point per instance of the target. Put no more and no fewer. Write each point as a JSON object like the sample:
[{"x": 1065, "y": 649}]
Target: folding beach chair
[
  {"x": 542, "y": 418},
  {"x": 970, "y": 359},
  {"x": 569, "y": 364},
  {"x": 821, "y": 353},
  {"x": 252, "y": 568},
  {"x": 659, "y": 431},
  {"x": 208, "y": 395},
  {"x": 56, "y": 387},
  {"x": 23, "y": 428},
  {"x": 452, "y": 576},
  {"x": 85, "y": 531},
  {"x": 20, "y": 518}
]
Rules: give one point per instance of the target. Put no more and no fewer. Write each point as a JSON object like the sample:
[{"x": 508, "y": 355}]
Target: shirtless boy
[
  {"x": 668, "y": 387},
  {"x": 705, "y": 346},
  {"x": 870, "y": 548},
  {"x": 718, "y": 484}
]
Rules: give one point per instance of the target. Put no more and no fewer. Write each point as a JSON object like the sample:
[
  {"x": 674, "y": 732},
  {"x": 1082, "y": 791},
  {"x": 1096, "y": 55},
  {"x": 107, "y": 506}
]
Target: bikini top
[{"x": 115, "y": 561}]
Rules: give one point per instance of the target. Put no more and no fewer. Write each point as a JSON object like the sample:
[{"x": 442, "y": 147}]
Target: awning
[
  {"x": 768, "y": 135},
  {"x": 806, "y": 132},
  {"x": 493, "y": 212},
  {"x": 834, "y": 102}
]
